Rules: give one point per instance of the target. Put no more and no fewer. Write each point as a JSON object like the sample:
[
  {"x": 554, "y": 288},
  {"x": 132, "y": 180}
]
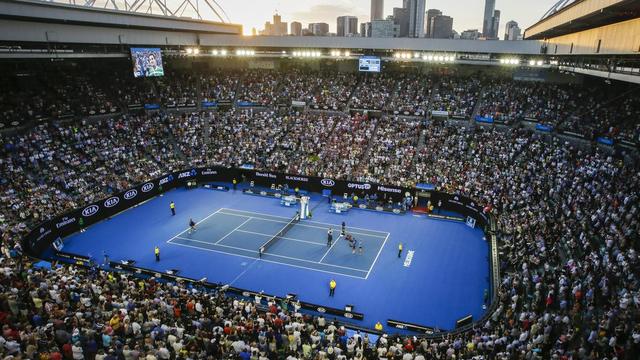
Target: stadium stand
[{"x": 567, "y": 218}]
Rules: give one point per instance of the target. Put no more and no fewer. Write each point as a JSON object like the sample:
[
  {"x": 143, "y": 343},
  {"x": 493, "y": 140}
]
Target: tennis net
[{"x": 278, "y": 235}]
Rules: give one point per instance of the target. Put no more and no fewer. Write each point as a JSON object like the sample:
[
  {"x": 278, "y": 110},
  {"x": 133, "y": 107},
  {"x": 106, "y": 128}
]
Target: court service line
[
  {"x": 311, "y": 221},
  {"x": 376, "y": 259},
  {"x": 331, "y": 247},
  {"x": 281, "y": 237},
  {"x": 272, "y": 254},
  {"x": 269, "y": 261},
  {"x": 232, "y": 231},
  {"x": 187, "y": 229},
  {"x": 337, "y": 227}
]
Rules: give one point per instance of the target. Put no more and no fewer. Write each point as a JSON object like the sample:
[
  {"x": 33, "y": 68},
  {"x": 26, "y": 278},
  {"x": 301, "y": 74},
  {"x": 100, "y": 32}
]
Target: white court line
[
  {"x": 234, "y": 230},
  {"x": 376, "y": 259},
  {"x": 269, "y": 261},
  {"x": 281, "y": 237},
  {"x": 187, "y": 229},
  {"x": 272, "y": 254},
  {"x": 311, "y": 221},
  {"x": 300, "y": 224},
  {"x": 244, "y": 272},
  {"x": 331, "y": 247}
]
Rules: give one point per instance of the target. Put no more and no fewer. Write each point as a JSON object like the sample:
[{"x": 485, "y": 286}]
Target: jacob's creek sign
[{"x": 296, "y": 178}]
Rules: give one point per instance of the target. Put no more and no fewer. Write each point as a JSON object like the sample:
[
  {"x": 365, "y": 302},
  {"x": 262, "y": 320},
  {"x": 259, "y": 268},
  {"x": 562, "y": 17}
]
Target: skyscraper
[
  {"x": 347, "y": 26},
  {"x": 319, "y": 29},
  {"x": 512, "y": 31},
  {"x": 496, "y": 24},
  {"x": 442, "y": 27},
  {"x": 487, "y": 24},
  {"x": 278, "y": 28},
  {"x": 416, "y": 18},
  {"x": 377, "y": 10},
  {"x": 431, "y": 13},
  {"x": 384, "y": 28},
  {"x": 296, "y": 28},
  {"x": 401, "y": 18}
]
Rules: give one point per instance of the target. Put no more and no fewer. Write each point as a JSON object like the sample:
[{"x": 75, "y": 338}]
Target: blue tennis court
[
  {"x": 440, "y": 277},
  {"x": 304, "y": 245}
]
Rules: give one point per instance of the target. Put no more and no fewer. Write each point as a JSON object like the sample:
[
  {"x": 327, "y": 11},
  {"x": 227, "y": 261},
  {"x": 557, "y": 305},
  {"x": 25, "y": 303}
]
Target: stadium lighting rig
[
  {"x": 510, "y": 61},
  {"x": 245, "y": 52},
  {"x": 440, "y": 58},
  {"x": 307, "y": 54}
]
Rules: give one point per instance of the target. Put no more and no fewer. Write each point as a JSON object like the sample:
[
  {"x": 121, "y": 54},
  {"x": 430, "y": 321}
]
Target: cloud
[{"x": 324, "y": 13}]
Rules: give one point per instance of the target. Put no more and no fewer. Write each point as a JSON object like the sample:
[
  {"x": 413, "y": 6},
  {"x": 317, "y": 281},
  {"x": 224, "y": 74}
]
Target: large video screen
[
  {"x": 369, "y": 64},
  {"x": 147, "y": 62}
]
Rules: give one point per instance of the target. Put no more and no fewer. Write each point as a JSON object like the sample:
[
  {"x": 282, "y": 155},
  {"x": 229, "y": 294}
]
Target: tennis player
[{"x": 192, "y": 226}]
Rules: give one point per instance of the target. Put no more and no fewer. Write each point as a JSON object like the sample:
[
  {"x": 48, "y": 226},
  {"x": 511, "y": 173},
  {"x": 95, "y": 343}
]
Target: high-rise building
[
  {"x": 512, "y": 31},
  {"x": 472, "y": 34},
  {"x": 319, "y": 29},
  {"x": 496, "y": 24},
  {"x": 277, "y": 28},
  {"x": 377, "y": 10},
  {"x": 442, "y": 27},
  {"x": 431, "y": 13},
  {"x": 487, "y": 23},
  {"x": 401, "y": 18},
  {"x": 347, "y": 26},
  {"x": 416, "y": 18},
  {"x": 296, "y": 28},
  {"x": 384, "y": 28},
  {"x": 365, "y": 29}
]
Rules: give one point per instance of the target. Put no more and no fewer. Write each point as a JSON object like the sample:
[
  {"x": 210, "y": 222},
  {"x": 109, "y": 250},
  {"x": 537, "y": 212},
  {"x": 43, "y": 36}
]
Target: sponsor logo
[
  {"x": 409, "y": 258},
  {"x": 390, "y": 190},
  {"x": 131, "y": 194},
  {"x": 327, "y": 183},
  {"x": 43, "y": 233},
  {"x": 147, "y": 187},
  {"x": 348, "y": 315},
  {"x": 166, "y": 180},
  {"x": 321, "y": 310},
  {"x": 267, "y": 175},
  {"x": 111, "y": 202},
  {"x": 246, "y": 294},
  {"x": 65, "y": 221},
  {"x": 90, "y": 210},
  {"x": 187, "y": 174},
  {"x": 209, "y": 172},
  {"x": 359, "y": 186},
  {"x": 296, "y": 178},
  {"x": 400, "y": 326}
]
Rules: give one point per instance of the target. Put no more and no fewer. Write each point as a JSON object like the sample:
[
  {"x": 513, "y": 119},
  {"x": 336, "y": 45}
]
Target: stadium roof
[
  {"x": 570, "y": 16},
  {"x": 43, "y": 12}
]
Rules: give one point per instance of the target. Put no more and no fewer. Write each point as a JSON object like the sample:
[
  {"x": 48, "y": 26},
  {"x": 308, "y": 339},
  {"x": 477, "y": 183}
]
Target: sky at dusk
[{"x": 467, "y": 14}]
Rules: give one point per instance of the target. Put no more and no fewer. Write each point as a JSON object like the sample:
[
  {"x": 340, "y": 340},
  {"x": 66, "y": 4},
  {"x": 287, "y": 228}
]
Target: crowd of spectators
[
  {"x": 412, "y": 95},
  {"x": 373, "y": 92},
  {"x": 568, "y": 228},
  {"x": 456, "y": 95}
]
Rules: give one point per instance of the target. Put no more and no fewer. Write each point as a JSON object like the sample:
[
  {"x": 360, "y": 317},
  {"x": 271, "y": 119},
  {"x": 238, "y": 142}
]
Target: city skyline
[{"x": 467, "y": 14}]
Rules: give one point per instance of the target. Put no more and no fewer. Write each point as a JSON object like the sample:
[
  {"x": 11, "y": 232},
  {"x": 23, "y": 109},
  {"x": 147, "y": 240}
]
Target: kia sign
[
  {"x": 130, "y": 194},
  {"x": 111, "y": 202},
  {"x": 327, "y": 183},
  {"x": 147, "y": 187},
  {"x": 90, "y": 210}
]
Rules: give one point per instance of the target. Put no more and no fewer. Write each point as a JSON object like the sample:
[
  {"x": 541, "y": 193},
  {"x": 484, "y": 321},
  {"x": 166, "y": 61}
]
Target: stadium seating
[{"x": 568, "y": 215}]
